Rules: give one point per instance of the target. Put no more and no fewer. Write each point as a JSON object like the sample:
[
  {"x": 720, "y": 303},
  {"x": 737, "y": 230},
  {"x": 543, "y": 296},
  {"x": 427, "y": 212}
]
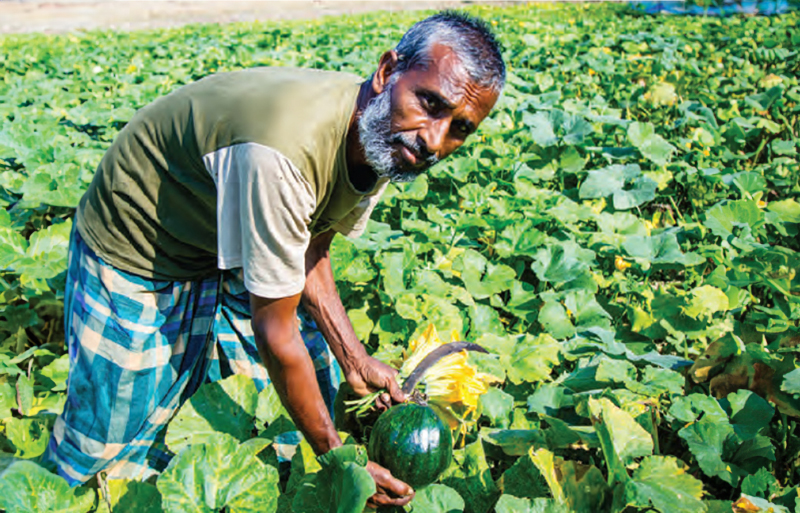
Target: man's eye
[
  {"x": 461, "y": 129},
  {"x": 431, "y": 103}
]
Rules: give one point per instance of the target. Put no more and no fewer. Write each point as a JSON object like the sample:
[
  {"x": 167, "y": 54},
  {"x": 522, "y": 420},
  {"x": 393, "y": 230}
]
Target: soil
[{"x": 58, "y": 16}]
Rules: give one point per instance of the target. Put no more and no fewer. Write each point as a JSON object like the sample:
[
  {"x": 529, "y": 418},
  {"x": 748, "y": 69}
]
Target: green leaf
[
  {"x": 24, "y": 394},
  {"x": 706, "y": 301},
  {"x": 545, "y": 462},
  {"x": 791, "y": 382},
  {"x": 658, "y": 249},
  {"x": 615, "y": 371},
  {"x": 58, "y": 372},
  {"x": 723, "y": 217},
  {"x": 524, "y": 357},
  {"x": 626, "y": 183},
  {"x": 219, "y": 473},
  {"x": 497, "y": 406},
  {"x": 706, "y": 440},
  {"x": 694, "y": 406},
  {"x": 510, "y": 504},
  {"x": 750, "y": 413},
  {"x": 25, "y": 487},
  {"x": 514, "y": 442},
  {"x": 660, "y": 482},
  {"x": 130, "y": 496},
  {"x": 482, "y": 278},
  {"x": 343, "y": 485},
  {"x": 584, "y": 486},
  {"x": 562, "y": 262},
  {"x": 226, "y": 406},
  {"x": 555, "y": 320},
  {"x": 787, "y": 210},
  {"x": 437, "y": 498},
  {"x": 542, "y": 131},
  {"x": 761, "y": 484},
  {"x": 621, "y": 437},
  {"x": 269, "y": 406},
  {"x": 519, "y": 239},
  {"x": 471, "y": 477},
  {"x": 651, "y": 145},
  {"x": 8, "y": 400},
  {"x": 784, "y": 148},
  {"x": 656, "y": 381},
  {"x": 29, "y": 436},
  {"x": 523, "y": 478}
]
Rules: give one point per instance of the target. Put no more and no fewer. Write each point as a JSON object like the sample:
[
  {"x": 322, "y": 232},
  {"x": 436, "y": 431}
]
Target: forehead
[{"x": 444, "y": 74}]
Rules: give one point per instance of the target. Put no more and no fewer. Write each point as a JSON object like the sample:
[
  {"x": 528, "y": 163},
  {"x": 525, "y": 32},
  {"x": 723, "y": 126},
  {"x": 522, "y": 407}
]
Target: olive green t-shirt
[{"x": 238, "y": 169}]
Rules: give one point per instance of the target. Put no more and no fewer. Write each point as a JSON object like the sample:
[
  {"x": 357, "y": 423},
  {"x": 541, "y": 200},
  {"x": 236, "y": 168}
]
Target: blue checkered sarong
[{"x": 139, "y": 348}]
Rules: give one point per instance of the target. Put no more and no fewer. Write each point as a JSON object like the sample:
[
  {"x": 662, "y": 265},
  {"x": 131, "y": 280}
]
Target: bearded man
[{"x": 201, "y": 246}]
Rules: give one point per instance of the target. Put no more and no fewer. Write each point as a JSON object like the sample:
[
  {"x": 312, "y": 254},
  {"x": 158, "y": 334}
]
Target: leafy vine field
[{"x": 621, "y": 235}]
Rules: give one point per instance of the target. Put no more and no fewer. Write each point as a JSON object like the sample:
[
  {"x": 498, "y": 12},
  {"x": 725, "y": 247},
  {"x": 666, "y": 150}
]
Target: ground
[{"x": 66, "y": 15}]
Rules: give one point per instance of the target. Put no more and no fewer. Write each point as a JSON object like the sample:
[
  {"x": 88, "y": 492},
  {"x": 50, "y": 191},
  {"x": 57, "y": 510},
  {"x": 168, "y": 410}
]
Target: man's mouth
[{"x": 409, "y": 155}]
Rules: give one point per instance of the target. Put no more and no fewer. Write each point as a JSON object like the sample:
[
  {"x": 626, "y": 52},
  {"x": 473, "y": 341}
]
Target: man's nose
[{"x": 434, "y": 135}]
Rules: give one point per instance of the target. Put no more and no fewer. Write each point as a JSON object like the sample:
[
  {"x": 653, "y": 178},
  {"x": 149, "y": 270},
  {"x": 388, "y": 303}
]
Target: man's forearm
[
  {"x": 292, "y": 374},
  {"x": 322, "y": 301}
]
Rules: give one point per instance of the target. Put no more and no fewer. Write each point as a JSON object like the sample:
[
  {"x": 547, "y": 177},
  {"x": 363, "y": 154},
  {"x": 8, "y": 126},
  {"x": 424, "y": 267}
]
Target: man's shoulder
[{"x": 303, "y": 114}]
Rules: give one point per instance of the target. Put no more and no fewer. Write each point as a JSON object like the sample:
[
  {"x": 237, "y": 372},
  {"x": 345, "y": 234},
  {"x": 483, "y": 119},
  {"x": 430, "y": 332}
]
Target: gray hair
[{"x": 469, "y": 37}]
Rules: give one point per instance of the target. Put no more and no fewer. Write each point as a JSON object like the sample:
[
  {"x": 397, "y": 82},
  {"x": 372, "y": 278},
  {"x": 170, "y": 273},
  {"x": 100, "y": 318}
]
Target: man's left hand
[{"x": 370, "y": 375}]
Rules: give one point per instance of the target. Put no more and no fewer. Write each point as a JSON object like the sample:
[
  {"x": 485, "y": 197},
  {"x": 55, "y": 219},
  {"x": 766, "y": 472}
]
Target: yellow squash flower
[{"x": 452, "y": 386}]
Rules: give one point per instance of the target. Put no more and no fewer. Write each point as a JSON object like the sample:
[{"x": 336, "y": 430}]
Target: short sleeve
[
  {"x": 264, "y": 208},
  {"x": 354, "y": 223}
]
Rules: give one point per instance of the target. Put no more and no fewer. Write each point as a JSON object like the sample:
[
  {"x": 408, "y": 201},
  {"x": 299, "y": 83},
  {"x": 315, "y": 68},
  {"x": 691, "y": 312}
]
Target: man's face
[{"x": 422, "y": 115}]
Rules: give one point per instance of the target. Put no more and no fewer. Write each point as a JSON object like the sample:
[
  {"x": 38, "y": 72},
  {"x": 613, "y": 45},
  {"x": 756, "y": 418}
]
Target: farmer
[{"x": 201, "y": 246}]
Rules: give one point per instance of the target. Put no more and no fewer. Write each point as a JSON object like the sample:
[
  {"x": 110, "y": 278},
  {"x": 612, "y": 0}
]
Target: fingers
[
  {"x": 383, "y": 402},
  {"x": 380, "y": 499},
  {"x": 393, "y": 388},
  {"x": 390, "y": 491}
]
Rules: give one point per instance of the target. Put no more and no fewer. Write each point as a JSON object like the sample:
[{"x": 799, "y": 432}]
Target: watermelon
[{"x": 412, "y": 442}]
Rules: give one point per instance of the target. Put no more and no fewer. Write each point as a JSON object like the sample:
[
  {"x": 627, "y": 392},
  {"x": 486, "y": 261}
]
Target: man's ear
[{"x": 386, "y": 66}]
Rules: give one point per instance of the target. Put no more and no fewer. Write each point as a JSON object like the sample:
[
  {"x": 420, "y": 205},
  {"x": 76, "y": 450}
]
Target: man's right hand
[{"x": 389, "y": 491}]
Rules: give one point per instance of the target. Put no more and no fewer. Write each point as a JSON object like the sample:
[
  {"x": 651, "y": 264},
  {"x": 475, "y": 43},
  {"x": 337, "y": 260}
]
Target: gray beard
[{"x": 376, "y": 137}]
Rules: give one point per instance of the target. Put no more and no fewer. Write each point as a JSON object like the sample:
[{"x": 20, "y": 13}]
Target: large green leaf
[
  {"x": 722, "y": 218},
  {"x": 219, "y": 473},
  {"x": 29, "y": 436},
  {"x": 226, "y": 406},
  {"x": 524, "y": 357},
  {"x": 621, "y": 437},
  {"x": 343, "y": 485},
  {"x": 470, "y": 476},
  {"x": 25, "y": 487},
  {"x": 511, "y": 504},
  {"x": 129, "y": 496},
  {"x": 659, "y": 482},
  {"x": 658, "y": 249},
  {"x": 626, "y": 184},
  {"x": 706, "y": 440},
  {"x": 481, "y": 277},
  {"x": 650, "y": 144},
  {"x": 437, "y": 498},
  {"x": 562, "y": 262}
]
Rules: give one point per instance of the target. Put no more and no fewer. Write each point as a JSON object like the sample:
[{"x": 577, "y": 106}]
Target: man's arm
[
  {"x": 291, "y": 370},
  {"x": 292, "y": 373},
  {"x": 321, "y": 299}
]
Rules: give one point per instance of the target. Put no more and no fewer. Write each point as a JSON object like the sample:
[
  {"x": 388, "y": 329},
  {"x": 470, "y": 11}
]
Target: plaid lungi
[{"x": 138, "y": 349}]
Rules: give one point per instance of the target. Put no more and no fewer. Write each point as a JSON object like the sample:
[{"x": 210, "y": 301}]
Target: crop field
[{"x": 621, "y": 234}]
